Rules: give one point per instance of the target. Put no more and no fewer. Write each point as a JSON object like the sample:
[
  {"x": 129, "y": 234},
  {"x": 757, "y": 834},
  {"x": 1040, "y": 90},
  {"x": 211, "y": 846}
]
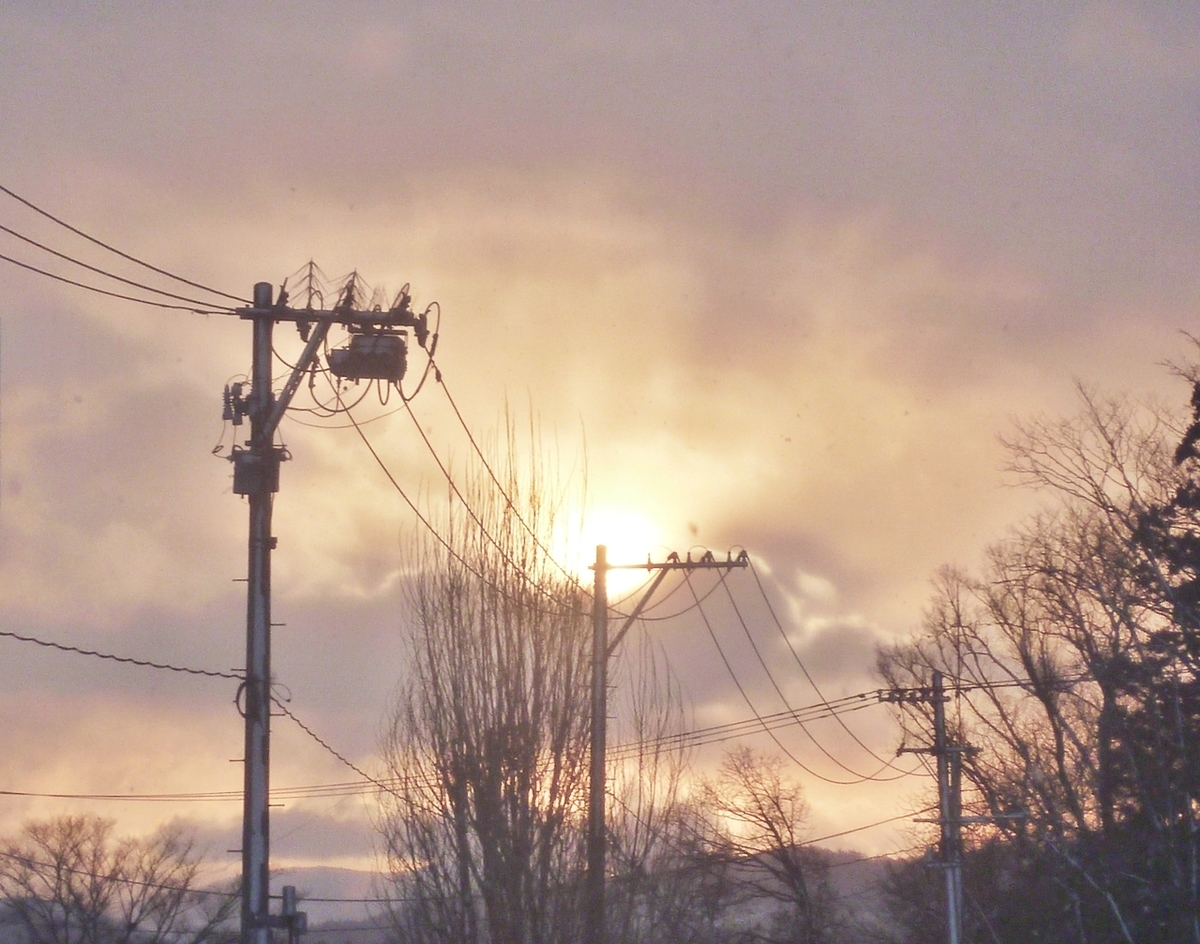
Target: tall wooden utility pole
[
  {"x": 376, "y": 351},
  {"x": 594, "y": 928}
]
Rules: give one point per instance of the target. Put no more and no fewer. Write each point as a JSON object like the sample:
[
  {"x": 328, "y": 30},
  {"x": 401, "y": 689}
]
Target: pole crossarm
[
  {"x": 913, "y": 696},
  {"x": 946, "y": 749},
  {"x": 707, "y": 562},
  {"x": 401, "y": 317}
]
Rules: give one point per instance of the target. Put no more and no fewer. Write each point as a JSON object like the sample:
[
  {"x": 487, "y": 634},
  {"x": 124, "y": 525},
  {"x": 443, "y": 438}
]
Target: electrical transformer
[{"x": 377, "y": 356}]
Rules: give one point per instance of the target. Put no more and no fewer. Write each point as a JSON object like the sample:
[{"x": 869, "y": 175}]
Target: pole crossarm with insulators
[
  {"x": 595, "y": 929},
  {"x": 377, "y": 350}
]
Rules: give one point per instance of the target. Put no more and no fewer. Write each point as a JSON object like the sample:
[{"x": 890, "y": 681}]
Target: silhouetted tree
[
  {"x": 69, "y": 880},
  {"x": 661, "y": 884},
  {"x": 1079, "y": 698},
  {"x": 488, "y": 740},
  {"x": 488, "y": 744},
  {"x": 760, "y": 814}
]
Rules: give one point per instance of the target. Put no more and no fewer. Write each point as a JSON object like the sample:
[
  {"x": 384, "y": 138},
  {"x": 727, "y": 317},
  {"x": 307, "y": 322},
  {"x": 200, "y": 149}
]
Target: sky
[{"x": 778, "y": 275}]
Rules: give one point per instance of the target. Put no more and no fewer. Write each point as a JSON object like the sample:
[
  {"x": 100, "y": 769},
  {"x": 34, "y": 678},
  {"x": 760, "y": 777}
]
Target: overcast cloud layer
[{"x": 790, "y": 270}]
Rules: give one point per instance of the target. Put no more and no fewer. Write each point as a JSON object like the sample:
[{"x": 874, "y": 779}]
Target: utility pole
[
  {"x": 594, "y": 923},
  {"x": 949, "y": 771},
  {"x": 595, "y": 927},
  {"x": 376, "y": 351},
  {"x": 259, "y": 468},
  {"x": 949, "y": 781}
]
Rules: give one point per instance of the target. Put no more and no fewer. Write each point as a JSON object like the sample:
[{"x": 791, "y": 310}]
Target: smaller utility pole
[
  {"x": 595, "y": 929},
  {"x": 949, "y": 778},
  {"x": 294, "y": 922},
  {"x": 949, "y": 768}
]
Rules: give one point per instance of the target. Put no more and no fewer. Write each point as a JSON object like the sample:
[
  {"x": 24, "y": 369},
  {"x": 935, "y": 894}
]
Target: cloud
[
  {"x": 838, "y": 650},
  {"x": 102, "y": 484},
  {"x": 816, "y": 588},
  {"x": 787, "y": 269}
]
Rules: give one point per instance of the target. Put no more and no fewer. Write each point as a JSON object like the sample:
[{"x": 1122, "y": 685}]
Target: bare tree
[
  {"x": 761, "y": 814},
  {"x": 488, "y": 740},
  {"x": 1082, "y": 713},
  {"x": 68, "y": 880},
  {"x": 660, "y": 888}
]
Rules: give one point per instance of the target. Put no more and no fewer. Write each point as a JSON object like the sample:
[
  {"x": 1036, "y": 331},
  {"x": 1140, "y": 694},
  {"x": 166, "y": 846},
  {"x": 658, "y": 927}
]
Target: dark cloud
[{"x": 836, "y": 650}]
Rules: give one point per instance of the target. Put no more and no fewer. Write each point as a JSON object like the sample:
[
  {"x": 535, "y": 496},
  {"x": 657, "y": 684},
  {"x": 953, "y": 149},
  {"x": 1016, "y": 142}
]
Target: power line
[
  {"x": 750, "y": 704},
  {"x": 803, "y": 668},
  {"x": 103, "y": 272},
  {"x": 779, "y": 691},
  {"x": 717, "y": 734},
  {"x": 127, "y": 660},
  {"x": 681, "y": 740},
  {"x": 697, "y": 737},
  {"x": 859, "y": 829},
  {"x": 139, "y": 797},
  {"x": 411, "y": 504},
  {"x": 720, "y": 581},
  {"x": 471, "y": 511},
  {"x": 446, "y": 545},
  {"x": 113, "y": 249},
  {"x": 700, "y": 737},
  {"x": 711, "y": 734},
  {"x": 509, "y": 503},
  {"x": 491, "y": 473},
  {"x": 329, "y": 748},
  {"x": 102, "y": 291}
]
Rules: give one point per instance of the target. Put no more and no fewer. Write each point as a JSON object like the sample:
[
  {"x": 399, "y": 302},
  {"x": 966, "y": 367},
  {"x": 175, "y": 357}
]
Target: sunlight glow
[{"x": 630, "y": 538}]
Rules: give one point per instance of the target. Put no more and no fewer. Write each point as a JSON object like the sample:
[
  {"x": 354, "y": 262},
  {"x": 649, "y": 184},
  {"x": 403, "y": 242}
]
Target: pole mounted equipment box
[
  {"x": 371, "y": 356},
  {"x": 256, "y": 472}
]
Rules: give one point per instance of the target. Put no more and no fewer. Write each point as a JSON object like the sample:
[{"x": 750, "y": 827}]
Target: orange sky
[{"x": 785, "y": 274}]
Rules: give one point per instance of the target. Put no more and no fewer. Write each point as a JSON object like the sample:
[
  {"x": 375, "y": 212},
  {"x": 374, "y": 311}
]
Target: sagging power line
[{"x": 115, "y": 251}]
